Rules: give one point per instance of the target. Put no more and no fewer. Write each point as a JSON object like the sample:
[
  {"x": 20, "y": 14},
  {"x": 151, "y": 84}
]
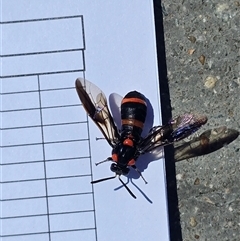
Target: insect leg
[
  {"x": 108, "y": 159},
  {"x": 126, "y": 187},
  {"x": 103, "y": 179},
  {"x": 137, "y": 170}
]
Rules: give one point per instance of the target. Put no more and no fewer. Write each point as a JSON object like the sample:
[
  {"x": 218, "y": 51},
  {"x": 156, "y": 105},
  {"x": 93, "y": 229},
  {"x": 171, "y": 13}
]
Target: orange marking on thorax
[
  {"x": 131, "y": 162},
  {"x": 133, "y": 100},
  {"x": 128, "y": 142},
  {"x": 115, "y": 157}
]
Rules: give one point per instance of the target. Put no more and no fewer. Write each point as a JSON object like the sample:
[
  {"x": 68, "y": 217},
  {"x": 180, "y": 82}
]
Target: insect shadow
[{"x": 139, "y": 189}]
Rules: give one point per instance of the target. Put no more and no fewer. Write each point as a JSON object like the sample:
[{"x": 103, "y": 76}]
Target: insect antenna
[
  {"x": 137, "y": 170},
  {"x": 108, "y": 159},
  {"x": 126, "y": 187},
  {"x": 103, "y": 179}
]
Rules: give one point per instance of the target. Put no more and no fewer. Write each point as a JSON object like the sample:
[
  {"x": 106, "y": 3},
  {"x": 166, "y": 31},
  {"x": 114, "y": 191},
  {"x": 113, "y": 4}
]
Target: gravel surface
[{"x": 202, "y": 47}]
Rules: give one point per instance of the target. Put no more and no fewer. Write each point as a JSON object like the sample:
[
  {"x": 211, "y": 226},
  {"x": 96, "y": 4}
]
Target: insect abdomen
[{"x": 133, "y": 114}]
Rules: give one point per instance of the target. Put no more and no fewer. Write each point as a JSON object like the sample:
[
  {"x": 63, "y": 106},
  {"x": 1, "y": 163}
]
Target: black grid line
[
  {"x": 42, "y": 19},
  {"x": 52, "y": 160},
  {"x": 46, "y": 178},
  {"x": 35, "y": 108},
  {"x": 34, "y": 91},
  {"x": 40, "y": 215},
  {"x": 95, "y": 220},
  {"x": 81, "y": 50},
  {"x": 43, "y": 52},
  {"x": 44, "y": 125},
  {"x": 43, "y": 143},
  {"x": 44, "y": 158},
  {"x": 61, "y": 231},
  {"x": 49, "y": 196},
  {"x": 45, "y": 73}
]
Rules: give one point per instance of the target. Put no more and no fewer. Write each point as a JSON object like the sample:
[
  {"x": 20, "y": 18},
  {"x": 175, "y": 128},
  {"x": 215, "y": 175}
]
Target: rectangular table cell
[
  {"x": 71, "y": 203},
  {"x": 20, "y": 101},
  {"x": 64, "y": 150},
  {"x": 65, "y": 114},
  {"x": 31, "y": 34},
  {"x": 18, "y": 154},
  {"x": 69, "y": 167},
  {"x": 21, "y": 136},
  {"x": 58, "y": 81},
  {"x": 14, "y": 208},
  {"x": 28, "y": 237},
  {"x": 86, "y": 235},
  {"x": 82, "y": 220},
  {"x": 26, "y": 171},
  {"x": 27, "y": 189},
  {"x": 36, "y": 63},
  {"x": 62, "y": 97},
  {"x": 65, "y": 132},
  {"x": 21, "y": 118},
  {"x": 20, "y": 84},
  {"x": 73, "y": 185},
  {"x": 26, "y": 225}
]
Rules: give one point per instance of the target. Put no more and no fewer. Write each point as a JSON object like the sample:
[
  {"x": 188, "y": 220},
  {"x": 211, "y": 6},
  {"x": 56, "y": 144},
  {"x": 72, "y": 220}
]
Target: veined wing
[
  {"x": 95, "y": 104},
  {"x": 208, "y": 142},
  {"x": 177, "y": 129}
]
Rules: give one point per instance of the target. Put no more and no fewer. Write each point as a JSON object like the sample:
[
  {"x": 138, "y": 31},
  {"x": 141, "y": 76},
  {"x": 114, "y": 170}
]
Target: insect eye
[
  {"x": 128, "y": 142},
  {"x": 114, "y": 168},
  {"x": 119, "y": 170}
]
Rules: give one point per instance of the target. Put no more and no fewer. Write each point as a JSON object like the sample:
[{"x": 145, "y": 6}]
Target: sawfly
[{"x": 127, "y": 143}]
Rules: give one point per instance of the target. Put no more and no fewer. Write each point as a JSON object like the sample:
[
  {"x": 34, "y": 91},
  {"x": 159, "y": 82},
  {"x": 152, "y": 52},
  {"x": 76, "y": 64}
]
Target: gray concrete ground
[{"x": 202, "y": 44}]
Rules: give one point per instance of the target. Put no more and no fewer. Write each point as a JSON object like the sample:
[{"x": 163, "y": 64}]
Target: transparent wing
[
  {"x": 115, "y": 107},
  {"x": 95, "y": 104},
  {"x": 208, "y": 142},
  {"x": 153, "y": 140},
  {"x": 177, "y": 129}
]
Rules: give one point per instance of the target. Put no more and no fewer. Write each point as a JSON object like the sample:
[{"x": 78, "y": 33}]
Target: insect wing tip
[{"x": 187, "y": 124}]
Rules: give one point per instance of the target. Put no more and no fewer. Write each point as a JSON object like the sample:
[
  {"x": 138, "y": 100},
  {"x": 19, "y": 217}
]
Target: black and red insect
[{"x": 127, "y": 143}]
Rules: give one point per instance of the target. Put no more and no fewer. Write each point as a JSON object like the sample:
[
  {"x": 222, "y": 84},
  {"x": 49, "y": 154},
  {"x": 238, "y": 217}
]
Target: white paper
[{"x": 49, "y": 145}]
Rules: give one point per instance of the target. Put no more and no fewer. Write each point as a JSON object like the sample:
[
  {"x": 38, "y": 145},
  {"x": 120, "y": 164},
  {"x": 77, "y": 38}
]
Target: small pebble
[
  {"x": 179, "y": 176},
  {"x": 237, "y": 3},
  {"x": 192, "y": 39},
  {"x": 210, "y": 82},
  {"x": 196, "y": 236},
  {"x": 208, "y": 200},
  {"x": 202, "y": 59},
  {"x": 197, "y": 181},
  {"x": 193, "y": 222},
  {"x": 190, "y": 51},
  {"x": 221, "y": 7}
]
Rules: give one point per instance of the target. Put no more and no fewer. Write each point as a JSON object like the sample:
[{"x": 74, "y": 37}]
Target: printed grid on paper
[{"x": 46, "y": 160}]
